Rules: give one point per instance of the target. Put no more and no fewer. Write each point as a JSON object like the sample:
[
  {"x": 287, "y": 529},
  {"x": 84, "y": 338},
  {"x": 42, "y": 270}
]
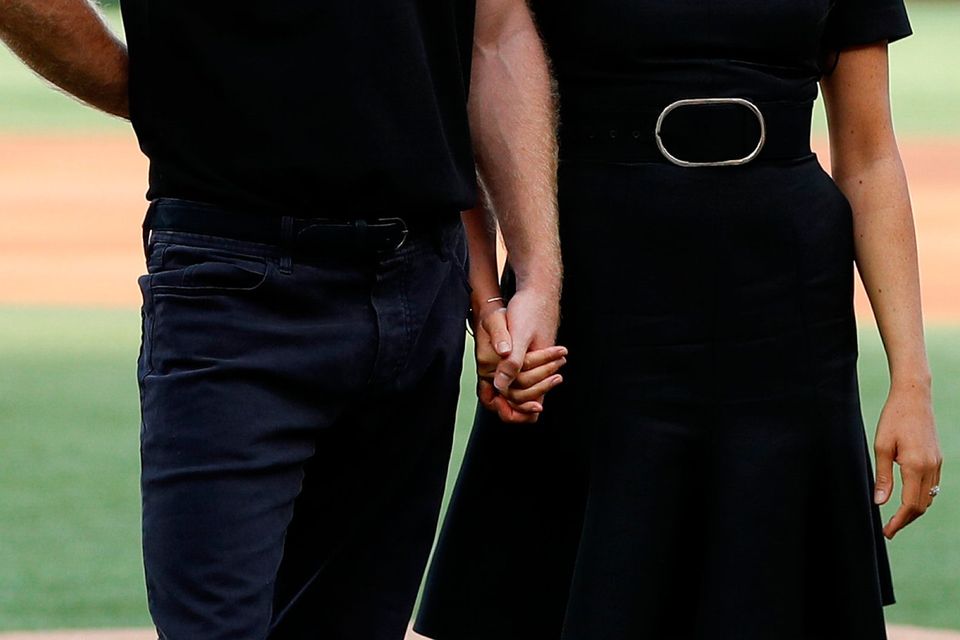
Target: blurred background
[{"x": 71, "y": 204}]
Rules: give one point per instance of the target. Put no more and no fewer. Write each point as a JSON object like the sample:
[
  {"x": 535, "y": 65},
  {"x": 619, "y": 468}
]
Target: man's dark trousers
[{"x": 297, "y": 415}]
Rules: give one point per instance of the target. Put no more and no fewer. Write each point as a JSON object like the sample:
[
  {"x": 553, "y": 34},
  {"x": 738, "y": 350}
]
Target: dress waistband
[{"x": 692, "y": 132}]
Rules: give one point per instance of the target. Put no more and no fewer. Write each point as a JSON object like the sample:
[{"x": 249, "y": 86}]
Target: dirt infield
[
  {"x": 895, "y": 632},
  {"x": 70, "y": 210}
]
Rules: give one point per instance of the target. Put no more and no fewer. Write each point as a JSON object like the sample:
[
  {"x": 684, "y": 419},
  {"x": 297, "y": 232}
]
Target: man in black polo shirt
[{"x": 306, "y": 282}]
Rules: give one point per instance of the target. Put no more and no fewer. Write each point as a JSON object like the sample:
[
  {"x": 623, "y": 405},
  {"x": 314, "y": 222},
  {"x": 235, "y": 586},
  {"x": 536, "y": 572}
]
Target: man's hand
[
  {"x": 531, "y": 320},
  {"x": 523, "y": 401},
  {"x": 68, "y": 43}
]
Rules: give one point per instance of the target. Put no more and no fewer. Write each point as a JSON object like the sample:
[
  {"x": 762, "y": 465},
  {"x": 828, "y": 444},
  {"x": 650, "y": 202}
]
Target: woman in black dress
[{"x": 703, "y": 472}]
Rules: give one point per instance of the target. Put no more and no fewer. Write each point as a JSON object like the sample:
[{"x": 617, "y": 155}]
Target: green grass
[
  {"x": 69, "y": 529},
  {"x": 926, "y": 83},
  {"x": 925, "y": 75},
  {"x": 69, "y": 505}
]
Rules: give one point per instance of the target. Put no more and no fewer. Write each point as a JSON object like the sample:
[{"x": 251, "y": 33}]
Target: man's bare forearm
[
  {"x": 513, "y": 121},
  {"x": 68, "y": 43}
]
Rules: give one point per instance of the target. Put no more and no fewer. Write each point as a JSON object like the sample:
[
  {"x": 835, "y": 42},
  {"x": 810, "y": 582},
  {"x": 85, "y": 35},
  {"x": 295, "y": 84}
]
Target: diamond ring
[{"x": 934, "y": 491}]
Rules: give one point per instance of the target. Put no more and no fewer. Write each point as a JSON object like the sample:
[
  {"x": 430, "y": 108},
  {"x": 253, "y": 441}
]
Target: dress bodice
[{"x": 666, "y": 49}]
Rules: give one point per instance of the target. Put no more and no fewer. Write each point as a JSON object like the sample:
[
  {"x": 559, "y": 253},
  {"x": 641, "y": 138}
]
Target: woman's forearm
[
  {"x": 481, "y": 233},
  {"x": 886, "y": 254}
]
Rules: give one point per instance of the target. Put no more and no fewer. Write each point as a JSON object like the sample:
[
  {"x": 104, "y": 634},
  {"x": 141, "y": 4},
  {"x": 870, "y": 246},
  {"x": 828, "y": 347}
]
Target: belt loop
[
  {"x": 286, "y": 244},
  {"x": 146, "y": 228},
  {"x": 361, "y": 234}
]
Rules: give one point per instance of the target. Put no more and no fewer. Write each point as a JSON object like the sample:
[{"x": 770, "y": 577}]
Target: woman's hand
[
  {"x": 522, "y": 402},
  {"x": 907, "y": 434}
]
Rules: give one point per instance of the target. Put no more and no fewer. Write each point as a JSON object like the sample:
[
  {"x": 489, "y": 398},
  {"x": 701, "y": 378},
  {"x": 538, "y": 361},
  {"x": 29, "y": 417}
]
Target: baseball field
[{"x": 71, "y": 204}]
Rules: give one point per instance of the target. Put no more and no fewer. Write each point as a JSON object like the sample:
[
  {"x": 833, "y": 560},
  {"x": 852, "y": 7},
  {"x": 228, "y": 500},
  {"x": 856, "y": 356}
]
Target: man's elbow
[{"x": 499, "y": 30}]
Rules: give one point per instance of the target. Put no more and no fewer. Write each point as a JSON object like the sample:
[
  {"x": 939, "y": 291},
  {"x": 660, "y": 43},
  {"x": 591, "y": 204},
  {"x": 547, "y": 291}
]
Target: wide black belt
[
  {"x": 690, "y": 132},
  {"x": 306, "y": 235}
]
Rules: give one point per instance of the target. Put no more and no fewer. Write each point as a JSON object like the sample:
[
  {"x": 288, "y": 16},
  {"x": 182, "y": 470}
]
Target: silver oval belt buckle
[
  {"x": 701, "y": 101},
  {"x": 404, "y": 231}
]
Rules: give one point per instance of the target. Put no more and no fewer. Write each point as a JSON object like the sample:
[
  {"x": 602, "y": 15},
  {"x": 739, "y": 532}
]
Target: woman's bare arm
[{"x": 867, "y": 167}]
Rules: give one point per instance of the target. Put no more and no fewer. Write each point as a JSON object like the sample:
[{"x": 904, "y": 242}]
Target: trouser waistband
[{"x": 308, "y": 235}]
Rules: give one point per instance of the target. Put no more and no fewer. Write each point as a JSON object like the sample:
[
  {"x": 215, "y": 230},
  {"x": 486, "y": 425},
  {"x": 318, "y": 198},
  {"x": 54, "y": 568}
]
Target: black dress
[{"x": 704, "y": 470}]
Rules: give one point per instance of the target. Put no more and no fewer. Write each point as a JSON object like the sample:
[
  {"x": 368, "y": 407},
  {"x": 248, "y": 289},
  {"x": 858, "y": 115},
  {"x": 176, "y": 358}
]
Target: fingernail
[
  {"x": 537, "y": 409},
  {"x": 563, "y": 351},
  {"x": 879, "y": 496},
  {"x": 503, "y": 347},
  {"x": 557, "y": 379},
  {"x": 501, "y": 382}
]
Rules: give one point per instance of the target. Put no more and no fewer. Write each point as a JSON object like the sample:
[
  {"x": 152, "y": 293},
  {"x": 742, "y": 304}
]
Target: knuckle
[
  {"x": 485, "y": 365},
  {"x": 492, "y": 323},
  {"x": 882, "y": 447},
  {"x": 543, "y": 388},
  {"x": 920, "y": 464},
  {"x": 911, "y": 463},
  {"x": 885, "y": 440},
  {"x": 927, "y": 460},
  {"x": 521, "y": 396},
  {"x": 912, "y": 508}
]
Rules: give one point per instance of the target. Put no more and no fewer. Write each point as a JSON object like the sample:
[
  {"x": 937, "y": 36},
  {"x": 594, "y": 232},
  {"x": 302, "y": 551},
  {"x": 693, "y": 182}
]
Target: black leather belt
[
  {"x": 693, "y": 132},
  {"x": 299, "y": 234}
]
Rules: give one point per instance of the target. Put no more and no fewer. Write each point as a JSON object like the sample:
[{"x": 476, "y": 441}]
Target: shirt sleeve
[{"x": 858, "y": 22}]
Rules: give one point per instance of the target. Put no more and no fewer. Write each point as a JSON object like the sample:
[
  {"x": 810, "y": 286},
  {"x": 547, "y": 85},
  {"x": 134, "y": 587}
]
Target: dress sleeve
[{"x": 858, "y": 22}]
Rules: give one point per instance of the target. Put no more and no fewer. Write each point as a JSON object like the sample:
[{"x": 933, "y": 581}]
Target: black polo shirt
[{"x": 350, "y": 107}]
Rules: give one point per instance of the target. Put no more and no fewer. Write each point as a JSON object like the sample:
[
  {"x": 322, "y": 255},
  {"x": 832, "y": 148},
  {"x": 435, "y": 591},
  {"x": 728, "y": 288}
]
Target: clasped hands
[{"x": 517, "y": 360}]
